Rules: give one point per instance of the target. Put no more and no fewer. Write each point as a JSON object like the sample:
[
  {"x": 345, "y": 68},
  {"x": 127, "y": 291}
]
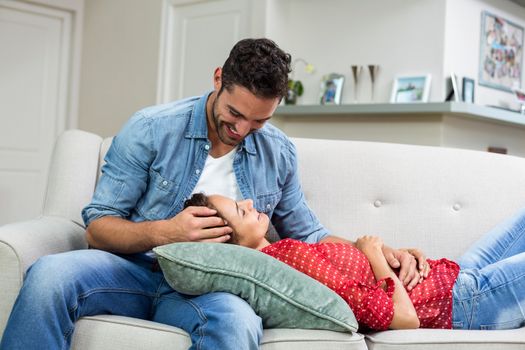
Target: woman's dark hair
[
  {"x": 201, "y": 200},
  {"x": 258, "y": 65},
  {"x": 198, "y": 200}
]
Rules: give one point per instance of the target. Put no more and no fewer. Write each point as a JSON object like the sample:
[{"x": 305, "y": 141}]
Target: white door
[
  {"x": 34, "y": 67},
  {"x": 197, "y": 37}
]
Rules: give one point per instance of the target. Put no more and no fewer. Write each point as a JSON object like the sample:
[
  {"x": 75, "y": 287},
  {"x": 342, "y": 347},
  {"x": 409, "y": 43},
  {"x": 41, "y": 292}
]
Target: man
[{"x": 217, "y": 143}]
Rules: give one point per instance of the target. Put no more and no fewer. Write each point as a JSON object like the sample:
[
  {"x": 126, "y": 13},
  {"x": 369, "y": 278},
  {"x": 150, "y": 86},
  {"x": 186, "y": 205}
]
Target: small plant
[
  {"x": 295, "y": 90},
  {"x": 295, "y": 87}
]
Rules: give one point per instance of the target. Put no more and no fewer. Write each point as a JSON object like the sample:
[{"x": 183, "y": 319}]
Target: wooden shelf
[{"x": 469, "y": 110}]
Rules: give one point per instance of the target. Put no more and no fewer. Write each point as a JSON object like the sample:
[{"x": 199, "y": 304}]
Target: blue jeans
[
  {"x": 59, "y": 289},
  {"x": 490, "y": 290}
]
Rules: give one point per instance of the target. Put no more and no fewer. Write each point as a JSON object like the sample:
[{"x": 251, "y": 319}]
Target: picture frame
[
  {"x": 411, "y": 89},
  {"x": 501, "y": 53},
  {"x": 467, "y": 90},
  {"x": 331, "y": 89},
  {"x": 520, "y": 96}
]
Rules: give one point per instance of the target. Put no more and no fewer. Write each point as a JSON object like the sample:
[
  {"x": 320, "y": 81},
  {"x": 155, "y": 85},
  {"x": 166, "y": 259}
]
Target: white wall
[
  {"x": 403, "y": 36},
  {"x": 462, "y": 39},
  {"x": 120, "y": 57},
  {"x": 121, "y": 47}
]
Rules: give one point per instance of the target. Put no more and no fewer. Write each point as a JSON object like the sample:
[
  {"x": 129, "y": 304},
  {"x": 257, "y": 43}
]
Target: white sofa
[{"x": 437, "y": 199}]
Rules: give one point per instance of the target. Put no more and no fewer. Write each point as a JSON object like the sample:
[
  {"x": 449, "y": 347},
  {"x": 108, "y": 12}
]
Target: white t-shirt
[{"x": 218, "y": 177}]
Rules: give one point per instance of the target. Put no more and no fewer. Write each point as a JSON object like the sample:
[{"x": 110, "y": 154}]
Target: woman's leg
[
  {"x": 59, "y": 289},
  {"x": 503, "y": 241},
  {"x": 492, "y": 297},
  {"x": 214, "y": 321}
]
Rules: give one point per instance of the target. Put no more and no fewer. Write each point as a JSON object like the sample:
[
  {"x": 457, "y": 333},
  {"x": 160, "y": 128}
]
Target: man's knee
[
  {"x": 235, "y": 315},
  {"x": 47, "y": 272},
  {"x": 214, "y": 320},
  {"x": 54, "y": 275}
]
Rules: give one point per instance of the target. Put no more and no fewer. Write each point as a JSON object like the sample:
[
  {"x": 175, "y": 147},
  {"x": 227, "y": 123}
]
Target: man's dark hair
[{"x": 258, "y": 65}]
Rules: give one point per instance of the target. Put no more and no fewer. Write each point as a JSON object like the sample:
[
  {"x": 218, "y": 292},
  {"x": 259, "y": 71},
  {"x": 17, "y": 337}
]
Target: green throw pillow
[{"x": 282, "y": 296}]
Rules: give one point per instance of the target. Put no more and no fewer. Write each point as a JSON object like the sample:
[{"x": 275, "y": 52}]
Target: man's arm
[
  {"x": 295, "y": 219},
  {"x": 292, "y": 216},
  {"x": 193, "y": 224},
  {"x": 124, "y": 181},
  {"x": 410, "y": 271}
]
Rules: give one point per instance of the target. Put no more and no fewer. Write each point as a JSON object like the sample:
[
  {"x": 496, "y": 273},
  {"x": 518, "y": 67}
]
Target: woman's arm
[
  {"x": 405, "y": 315},
  {"x": 411, "y": 262}
]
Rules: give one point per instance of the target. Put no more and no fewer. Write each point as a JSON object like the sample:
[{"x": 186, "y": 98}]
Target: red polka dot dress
[{"x": 346, "y": 270}]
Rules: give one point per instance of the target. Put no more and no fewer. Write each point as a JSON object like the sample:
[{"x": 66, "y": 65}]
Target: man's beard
[{"x": 220, "y": 127}]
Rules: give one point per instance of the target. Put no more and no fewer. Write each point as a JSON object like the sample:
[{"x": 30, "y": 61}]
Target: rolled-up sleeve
[
  {"x": 125, "y": 174},
  {"x": 373, "y": 307}
]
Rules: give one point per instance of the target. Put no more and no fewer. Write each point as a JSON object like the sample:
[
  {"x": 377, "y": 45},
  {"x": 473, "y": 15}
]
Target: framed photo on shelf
[
  {"x": 501, "y": 53},
  {"x": 468, "y": 90},
  {"x": 411, "y": 89},
  {"x": 331, "y": 89},
  {"x": 520, "y": 96}
]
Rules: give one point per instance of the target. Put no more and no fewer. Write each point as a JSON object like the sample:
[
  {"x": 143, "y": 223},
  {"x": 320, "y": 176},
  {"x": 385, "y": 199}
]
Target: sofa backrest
[
  {"x": 435, "y": 198},
  {"x": 439, "y": 199},
  {"x": 72, "y": 174}
]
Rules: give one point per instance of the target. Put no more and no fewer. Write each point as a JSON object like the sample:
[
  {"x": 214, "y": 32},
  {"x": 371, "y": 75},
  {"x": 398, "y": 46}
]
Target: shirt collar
[
  {"x": 249, "y": 144},
  {"x": 198, "y": 127}
]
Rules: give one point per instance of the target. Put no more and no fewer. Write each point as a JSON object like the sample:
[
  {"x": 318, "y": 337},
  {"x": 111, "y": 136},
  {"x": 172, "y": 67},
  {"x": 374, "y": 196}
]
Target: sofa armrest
[{"x": 22, "y": 243}]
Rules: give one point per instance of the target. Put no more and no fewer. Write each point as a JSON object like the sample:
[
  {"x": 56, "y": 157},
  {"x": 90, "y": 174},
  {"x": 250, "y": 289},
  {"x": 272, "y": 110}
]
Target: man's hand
[
  {"x": 423, "y": 266},
  {"x": 196, "y": 224},
  {"x": 193, "y": 224},
  {"x": 412, "y": 264}
]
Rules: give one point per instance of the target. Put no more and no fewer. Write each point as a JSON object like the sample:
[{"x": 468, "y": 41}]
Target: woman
[{"x": 484, "y": 290}]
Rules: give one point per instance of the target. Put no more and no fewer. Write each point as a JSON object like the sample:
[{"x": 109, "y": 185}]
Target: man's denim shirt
[{"x": 155, "y": 162}]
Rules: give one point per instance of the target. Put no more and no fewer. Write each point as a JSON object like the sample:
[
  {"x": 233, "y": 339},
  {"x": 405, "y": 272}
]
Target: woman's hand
[
  {"x": 412, "y": 264},
  {"x": 369, "y": 244},
  {"x": 405, "y": 315}
]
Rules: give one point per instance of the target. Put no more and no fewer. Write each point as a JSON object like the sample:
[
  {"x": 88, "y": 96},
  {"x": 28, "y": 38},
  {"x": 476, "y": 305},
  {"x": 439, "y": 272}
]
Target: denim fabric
[
  {"x": 59, "y": 289},
  {"x": 155, "y": 162},
  {"x": 490, "y": 290}
]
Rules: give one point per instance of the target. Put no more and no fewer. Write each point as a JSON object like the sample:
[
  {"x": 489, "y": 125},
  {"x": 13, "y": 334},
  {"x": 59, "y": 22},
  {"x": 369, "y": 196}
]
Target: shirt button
[
  {"x": 268, "y": 207},
  {"x": 207, "y": 147},
  {"x": 164, "y": 182},
  {"x": 197, "y": 171},
  {"x": 456, "y": 207},
  {"x": 378, "y": 203}
]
